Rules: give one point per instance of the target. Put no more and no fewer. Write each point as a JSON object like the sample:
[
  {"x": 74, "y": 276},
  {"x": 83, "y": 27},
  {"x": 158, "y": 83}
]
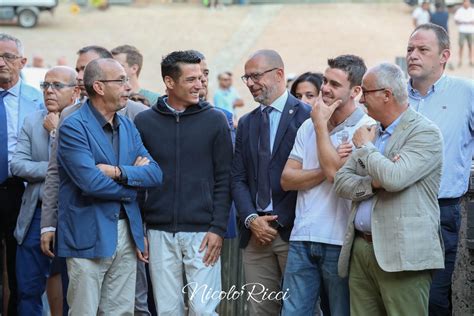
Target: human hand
[
  {"x": 262, "y": 230},
  {"x": 143, "y": 256},
  {"x": 364, "y": 135},
  {"x": 47, "y": 243},
  {"x": 321, "y": 112},
  {"x": 141, "y": 161},
  {"x": 213, "y": 243},
  {"x": 51, "y": 121},
  {"x": 344, "y": 150}
]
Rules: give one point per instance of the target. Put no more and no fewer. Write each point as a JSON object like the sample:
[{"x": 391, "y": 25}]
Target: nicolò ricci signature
[{"x": 250, "y": 291}]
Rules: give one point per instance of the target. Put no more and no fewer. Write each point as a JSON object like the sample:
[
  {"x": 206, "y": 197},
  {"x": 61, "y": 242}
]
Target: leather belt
[{"x": 366, "y": 236}]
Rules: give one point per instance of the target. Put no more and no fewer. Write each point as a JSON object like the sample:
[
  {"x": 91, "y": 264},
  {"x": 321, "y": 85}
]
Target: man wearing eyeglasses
[
  {"x": 30, "y": 163},
  {"x": 264, "y": 140},
  {"x": 102, "y": 163},
  {"x": 393, "y": 239},
  {"x": 17, "y": 100},
  {"x": 51, "y": 186}
]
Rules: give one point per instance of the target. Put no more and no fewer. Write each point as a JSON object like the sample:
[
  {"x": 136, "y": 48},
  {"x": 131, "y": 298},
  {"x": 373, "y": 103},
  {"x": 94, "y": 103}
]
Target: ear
[
  {"x": 356, "y": 90},
  {"x": 76, "y": 93},
  {"x": 169, "y": 82},
  {"x": 445, "y": 54},
  {"x": 23, "y": 62},
  {"x": 280, "y": 74},
  {"x": 387, "y": 95},
  {"x": 134, "y": 68},
  {"x": 98, "y": 87}
]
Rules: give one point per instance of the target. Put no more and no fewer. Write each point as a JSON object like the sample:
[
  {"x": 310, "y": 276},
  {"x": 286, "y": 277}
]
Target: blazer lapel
[
  {"x": 289, "y": 111},
  {"x": 254, "y": 131},
  {"x": 98, "y": 133}
]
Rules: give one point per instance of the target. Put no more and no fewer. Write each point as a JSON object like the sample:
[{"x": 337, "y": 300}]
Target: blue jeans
[
  {"x": 32, "y": 268},
  {"x": 309, "y": 266},
  {"x": 440, "y": 292}
]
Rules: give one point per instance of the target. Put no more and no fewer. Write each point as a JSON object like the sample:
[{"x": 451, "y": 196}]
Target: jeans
[
  {"x": 440, "y": 292},
  {"x": 311, "y": 265},
  {"x": 32, "y": 268}
]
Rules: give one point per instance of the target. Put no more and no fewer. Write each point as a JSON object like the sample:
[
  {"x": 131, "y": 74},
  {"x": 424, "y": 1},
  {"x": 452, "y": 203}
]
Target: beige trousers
[
  {"x": 264, "y": 267},
  {"x": 104, "y": 286}
]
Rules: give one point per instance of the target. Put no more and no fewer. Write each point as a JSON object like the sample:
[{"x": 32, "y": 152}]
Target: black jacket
[{"x": 194, "y": 151}]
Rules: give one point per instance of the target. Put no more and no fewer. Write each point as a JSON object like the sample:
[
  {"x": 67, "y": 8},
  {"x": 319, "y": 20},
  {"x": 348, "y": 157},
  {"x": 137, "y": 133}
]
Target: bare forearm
[{"x": 294, "y": 179}]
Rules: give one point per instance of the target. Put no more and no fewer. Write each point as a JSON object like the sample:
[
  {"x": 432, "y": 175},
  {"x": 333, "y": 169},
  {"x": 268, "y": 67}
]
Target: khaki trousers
[
  {"x": 264, "y": 267},
  {"x": 376, "y": 292},
  {"x": 104, "y": 286}
]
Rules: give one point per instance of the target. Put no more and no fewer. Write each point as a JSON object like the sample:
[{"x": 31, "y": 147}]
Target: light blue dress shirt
[
  {"x": 225, "y": 98},
  {"x": 449, "y": 103},
  {"x": 12, "y": 101},
  {"x": 363, "y": 217}
]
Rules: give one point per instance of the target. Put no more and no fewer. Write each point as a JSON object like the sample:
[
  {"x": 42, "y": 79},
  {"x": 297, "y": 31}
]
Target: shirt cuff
[
  {"x": 48, "y": 229},
  {"x": 248, "y": 218}
]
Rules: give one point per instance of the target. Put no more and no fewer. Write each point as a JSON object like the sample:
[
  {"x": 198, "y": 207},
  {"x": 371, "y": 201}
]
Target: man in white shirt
[
  {"x": 464, "y": 18},
  {"x": 421, "y": 15},
  {"x": 321, "y": 216}
]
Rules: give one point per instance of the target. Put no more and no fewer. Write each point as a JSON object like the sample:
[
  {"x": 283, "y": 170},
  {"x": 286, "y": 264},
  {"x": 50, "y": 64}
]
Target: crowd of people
[{"x": 347, "y": 189}]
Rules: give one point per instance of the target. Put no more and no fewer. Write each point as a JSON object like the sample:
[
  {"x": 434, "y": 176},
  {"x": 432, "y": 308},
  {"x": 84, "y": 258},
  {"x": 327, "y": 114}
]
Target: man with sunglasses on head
[
  {"x": 102, "y": 163},
  {"x": 264, "y": 140},
  {"x": 17, "y": 100},
  {"x": 30, "y": 163}
]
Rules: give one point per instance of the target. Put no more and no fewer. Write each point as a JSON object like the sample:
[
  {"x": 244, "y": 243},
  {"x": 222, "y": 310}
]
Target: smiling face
[
  {"x": 10, "y": 65},
  {"x": 185, "y": 90},
  {"x": 425, "y": 61},
  {"x": 336, "y": 86},
  {"x": 266, "y": 88}
]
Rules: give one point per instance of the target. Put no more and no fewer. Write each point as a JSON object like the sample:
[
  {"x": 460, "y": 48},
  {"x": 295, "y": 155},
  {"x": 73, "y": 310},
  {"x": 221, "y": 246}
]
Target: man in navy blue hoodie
[{"x": 187, "y": 216}]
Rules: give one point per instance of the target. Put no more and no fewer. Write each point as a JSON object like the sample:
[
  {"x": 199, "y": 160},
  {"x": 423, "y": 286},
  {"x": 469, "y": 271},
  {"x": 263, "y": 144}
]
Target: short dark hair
[
  {"x": 352, "y": 65},
  {"x": 92, "y": 73},
  {"x": 170, "y": 64},
  {"x": 198, "y": 53},
  {"x": 133, "y": 55},
  {"x": 316, "y": 79},
  {"x": 99, "y": 50},
  {"x": 440, "y": 32}
]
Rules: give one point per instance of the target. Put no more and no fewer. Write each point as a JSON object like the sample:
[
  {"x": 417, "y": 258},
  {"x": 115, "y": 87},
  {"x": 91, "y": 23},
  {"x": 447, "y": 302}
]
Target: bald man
[
  {"x": 30, "y": 163},
  {"x": 264, "y": 140}
]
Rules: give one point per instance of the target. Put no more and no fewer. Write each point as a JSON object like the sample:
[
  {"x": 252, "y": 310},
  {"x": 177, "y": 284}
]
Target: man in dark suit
[
  {"x": 101, "y": 163},
  {"x": 264, "y": 140}
]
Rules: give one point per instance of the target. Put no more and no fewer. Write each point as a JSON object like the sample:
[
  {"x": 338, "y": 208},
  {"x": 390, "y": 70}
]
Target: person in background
[
  {"x": 421, "y": 14},
  {"x": 464, "y": 18},
  {"x": 307, "y": 86},
  {"x": 441, "y": 15}
]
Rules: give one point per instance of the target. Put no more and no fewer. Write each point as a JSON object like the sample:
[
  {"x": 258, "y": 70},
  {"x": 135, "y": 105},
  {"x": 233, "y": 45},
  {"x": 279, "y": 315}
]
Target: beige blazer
[{"x": 405, "y": 214}]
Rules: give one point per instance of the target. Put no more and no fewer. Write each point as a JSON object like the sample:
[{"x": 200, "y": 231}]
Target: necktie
[
  {"x": 264, "y": 156},
  {"x": 3, "y": 139}
]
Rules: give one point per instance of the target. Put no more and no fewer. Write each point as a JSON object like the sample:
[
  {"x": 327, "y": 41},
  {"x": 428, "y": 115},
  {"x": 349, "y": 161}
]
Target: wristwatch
[
  {"x": 52, "y": 134},
  {"x": 249, "y": 220}
]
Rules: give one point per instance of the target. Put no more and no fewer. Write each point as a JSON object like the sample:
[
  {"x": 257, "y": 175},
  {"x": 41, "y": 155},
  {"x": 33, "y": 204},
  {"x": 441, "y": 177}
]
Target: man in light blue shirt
[
  {"x": 449, "y": 103},
  {"x": 17, "y": 100},
  {"x": 226, "y": 97}
]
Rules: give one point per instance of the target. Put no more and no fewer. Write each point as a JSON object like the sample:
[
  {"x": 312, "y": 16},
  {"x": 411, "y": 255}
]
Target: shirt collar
[
  {"x": 434, "y": 88},
  {"x": 278, "y": 104},
  {"x": 351, "y": 120},
  {"x": 389, "y": 130},
  {"x": 173, "y": 110},
  {"x": 101, "y": 119},
  {"x": 15, "y": 90}
]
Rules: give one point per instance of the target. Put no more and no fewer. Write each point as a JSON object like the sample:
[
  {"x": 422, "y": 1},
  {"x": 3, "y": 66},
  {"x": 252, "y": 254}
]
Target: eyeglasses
[
  {"x": 7, "y": 57},
  {"x": 255, "y": 76},
  {"x": 121, "y": 82},
  {"x": 364, "y": 92},
  {"x": 54, "y": 85}
]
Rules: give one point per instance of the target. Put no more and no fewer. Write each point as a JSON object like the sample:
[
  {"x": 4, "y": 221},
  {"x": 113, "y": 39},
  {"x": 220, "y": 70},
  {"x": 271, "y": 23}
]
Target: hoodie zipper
[{"x": 175, "y": 208}]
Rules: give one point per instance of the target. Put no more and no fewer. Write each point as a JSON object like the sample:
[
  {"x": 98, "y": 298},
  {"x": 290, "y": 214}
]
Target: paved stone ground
[{"x": 305, "y": 35}]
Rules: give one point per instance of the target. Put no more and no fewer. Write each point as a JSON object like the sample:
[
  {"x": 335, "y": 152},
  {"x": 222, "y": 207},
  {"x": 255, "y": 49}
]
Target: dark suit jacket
[{"x": 244, "y": 168}]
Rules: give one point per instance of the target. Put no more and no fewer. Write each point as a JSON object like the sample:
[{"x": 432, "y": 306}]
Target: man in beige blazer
[{"x": 393, "y": 237}]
